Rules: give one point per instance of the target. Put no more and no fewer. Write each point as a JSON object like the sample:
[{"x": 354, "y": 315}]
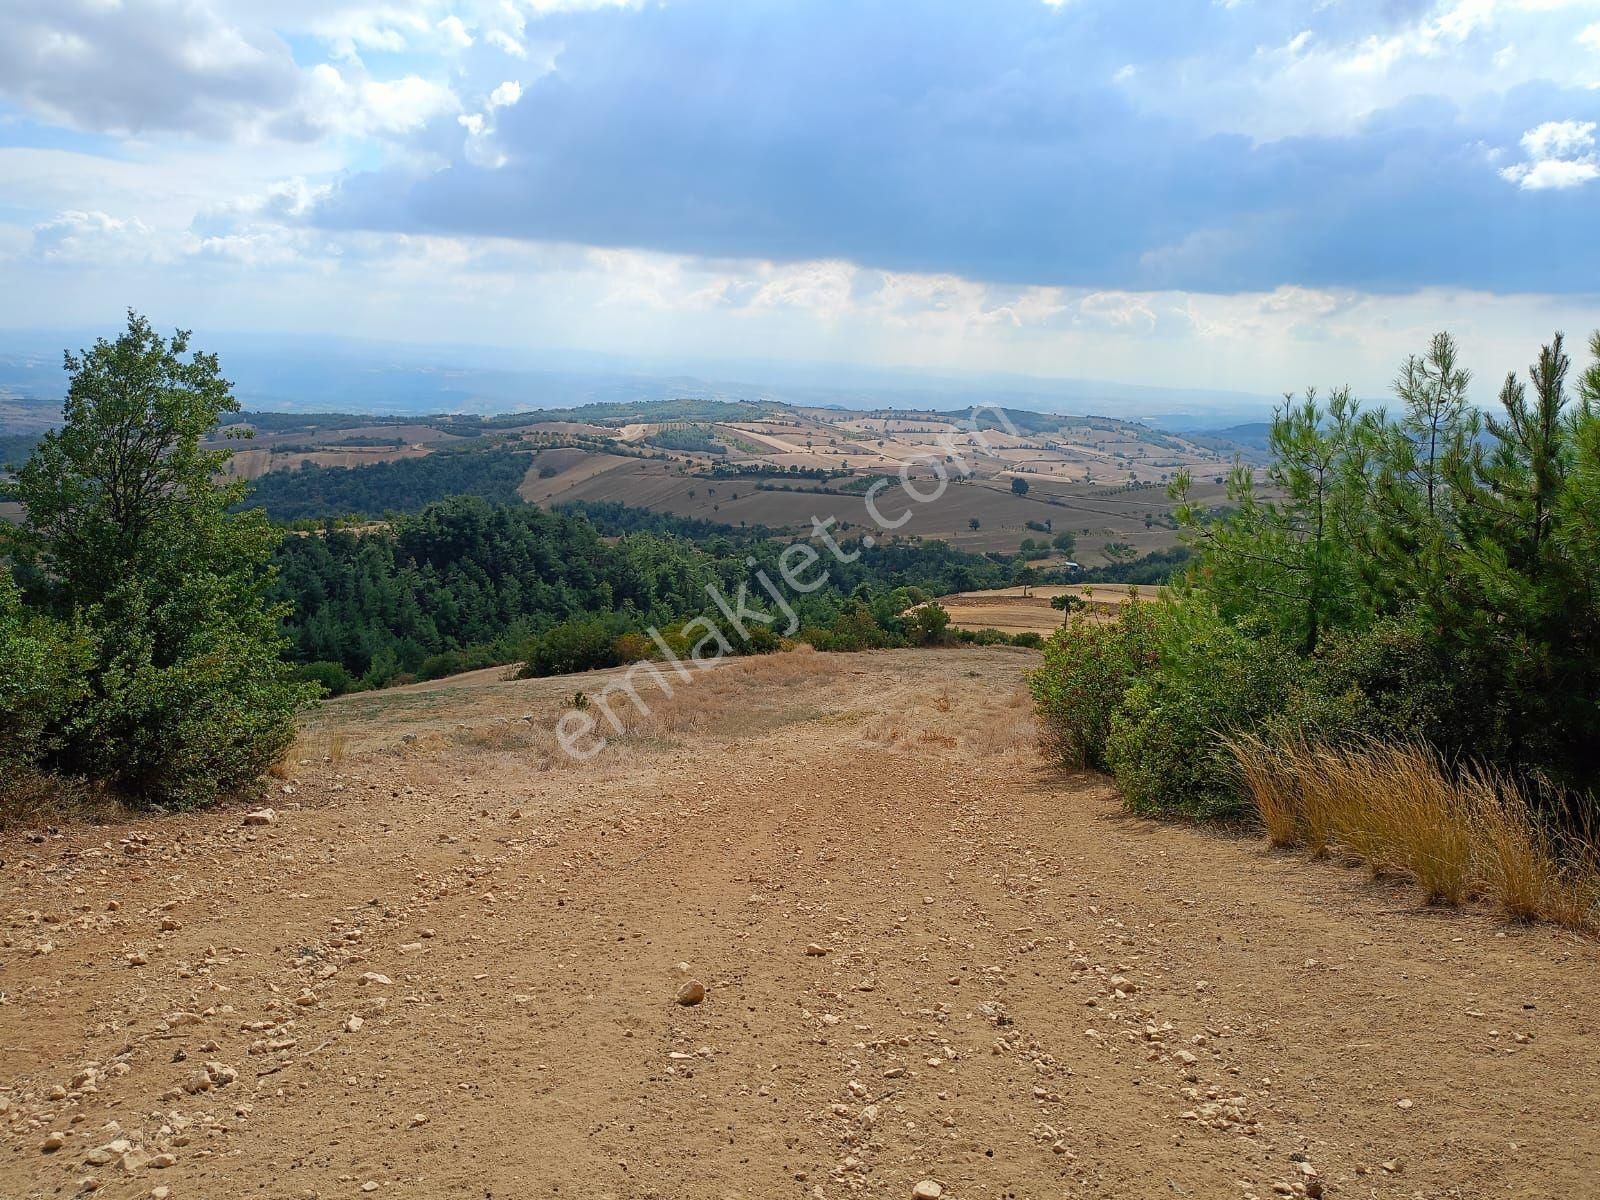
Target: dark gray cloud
[{"x": 991, "y": 140}]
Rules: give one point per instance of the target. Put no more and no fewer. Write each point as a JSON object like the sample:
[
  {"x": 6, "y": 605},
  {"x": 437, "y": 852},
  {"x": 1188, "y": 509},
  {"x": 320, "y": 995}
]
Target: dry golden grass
[
  {"x": 738, "y": 697},
  {"x": 34, "y": 800},
  {"x": 999, "y": 725},
  {"x": 1460, "y": 835},
  {"x": 1268, "y": 784}
]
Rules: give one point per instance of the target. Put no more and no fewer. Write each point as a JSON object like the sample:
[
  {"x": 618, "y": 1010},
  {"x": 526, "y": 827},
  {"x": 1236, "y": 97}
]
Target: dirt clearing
[{"x": 450, "y": 964}]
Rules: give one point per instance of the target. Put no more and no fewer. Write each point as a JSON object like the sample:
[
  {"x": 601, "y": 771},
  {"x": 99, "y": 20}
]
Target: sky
[{"x": 1243, "y": 194}]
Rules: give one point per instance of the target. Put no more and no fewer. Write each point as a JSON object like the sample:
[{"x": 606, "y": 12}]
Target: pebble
[
  {"x": 691, "y": 993},
  {"x": 53, "y": 1142},
  {"x": 816, "y": 951},
  {"x": 926, "y": 1189},
  {"x": 261, "y": 816}
]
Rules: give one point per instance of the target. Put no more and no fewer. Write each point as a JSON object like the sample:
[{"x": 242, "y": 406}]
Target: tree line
[{"x": 1429, "y": 574}]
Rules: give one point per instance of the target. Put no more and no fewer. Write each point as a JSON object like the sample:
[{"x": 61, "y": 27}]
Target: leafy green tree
[
  {"x": 1065, "y": 543},
  {"x": 1067, "y": 603},
  {"x": 128, "y": 532},
  {"x": 1019, "y": 486}
]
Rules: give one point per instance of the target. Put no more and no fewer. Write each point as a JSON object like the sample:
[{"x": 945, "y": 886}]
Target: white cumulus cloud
[{"x": 1561, "y": 154}]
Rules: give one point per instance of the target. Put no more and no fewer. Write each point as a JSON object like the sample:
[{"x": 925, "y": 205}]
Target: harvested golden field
[
  {"x": 1094, "y": 515},
  {"x": 1011, "y": 611},
  {"x": 450, "y": 964}
]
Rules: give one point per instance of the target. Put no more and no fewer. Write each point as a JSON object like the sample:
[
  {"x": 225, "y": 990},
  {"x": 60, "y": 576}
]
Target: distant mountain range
[{"x": 304, "y": 374}]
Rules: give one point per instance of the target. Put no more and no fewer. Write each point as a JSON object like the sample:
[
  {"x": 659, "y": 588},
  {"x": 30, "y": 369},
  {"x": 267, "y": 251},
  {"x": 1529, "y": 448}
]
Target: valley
[{"x": 1101, "y": 480}]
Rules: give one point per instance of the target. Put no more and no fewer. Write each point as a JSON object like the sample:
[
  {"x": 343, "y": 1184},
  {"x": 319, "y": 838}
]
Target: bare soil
[{"x": 1020, "y": 992}]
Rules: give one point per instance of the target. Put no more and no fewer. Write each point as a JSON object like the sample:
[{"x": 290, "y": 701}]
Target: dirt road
[{"x": 450, "y": 967}]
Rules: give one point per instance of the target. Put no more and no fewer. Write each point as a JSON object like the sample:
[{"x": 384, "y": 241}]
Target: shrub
[
  {"x": 41, "y": 679},
  {"x": 1165, "y": 742},
  {"x": 854, "y": 628},
  {"x": 331, "y": 677},
  {"x": 633, "y": 647},
  {"x": 1088, "y": 668},
  {"x": 581, "y": 644},
  {"x": 928, "y": 625},
  {"x": 183, "y": 704}
]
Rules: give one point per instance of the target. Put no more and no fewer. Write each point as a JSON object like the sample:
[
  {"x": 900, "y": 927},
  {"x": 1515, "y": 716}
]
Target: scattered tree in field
[
  {"x": 973, "y": 523},
  {"x": 1019, "y": 486},
  {"x": 1068, "y": 604}
]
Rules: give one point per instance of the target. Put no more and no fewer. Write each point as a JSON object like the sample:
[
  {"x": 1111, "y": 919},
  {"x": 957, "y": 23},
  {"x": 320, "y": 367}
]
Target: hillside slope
[{"x": 450, "y": 967}]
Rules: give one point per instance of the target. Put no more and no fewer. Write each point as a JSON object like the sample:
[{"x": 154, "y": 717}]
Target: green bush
[
  {"x": 42, "y": 663},
  {"x": 183, "y": 704},
  {"x": 854, "y": 628},
  {"x": 1088, "y": 668},
  {"x": 581, "y": 644},
  {"x": 331, "y": 677},
  {"x": 928, "y": 625},
  {"x": 1164, "y": 741}
]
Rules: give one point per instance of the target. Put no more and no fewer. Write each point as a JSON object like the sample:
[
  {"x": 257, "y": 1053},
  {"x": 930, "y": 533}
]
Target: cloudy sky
[{"x": 1250, "y": 194}]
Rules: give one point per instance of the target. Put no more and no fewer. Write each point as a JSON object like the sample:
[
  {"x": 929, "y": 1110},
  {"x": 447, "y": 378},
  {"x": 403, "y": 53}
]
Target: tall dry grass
[{"x": 1460, "y": 834}]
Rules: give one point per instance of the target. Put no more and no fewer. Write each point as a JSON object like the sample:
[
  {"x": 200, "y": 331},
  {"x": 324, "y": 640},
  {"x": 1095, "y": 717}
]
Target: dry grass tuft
[
  {"x": 1270, "y": 787},
  {"x": 1460, "y": 835},
  {"x": 32, "y": 799}
]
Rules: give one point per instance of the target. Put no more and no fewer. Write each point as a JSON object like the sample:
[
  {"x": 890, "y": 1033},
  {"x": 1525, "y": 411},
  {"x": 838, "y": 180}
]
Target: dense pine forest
[
  {"x": 465, "y": 583},
  {"x": 404, "y": 486}
]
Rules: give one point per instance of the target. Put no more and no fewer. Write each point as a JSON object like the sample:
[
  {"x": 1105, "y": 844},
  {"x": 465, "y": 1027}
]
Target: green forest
[
  {"x": 465, "y": 583},
  {"x": 406, "y": 485}
]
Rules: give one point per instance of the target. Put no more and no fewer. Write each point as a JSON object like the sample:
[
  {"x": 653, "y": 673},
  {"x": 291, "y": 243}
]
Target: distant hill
[
  {"x": 1249, "y": 441},
  {"x": 322, "y": 374}
]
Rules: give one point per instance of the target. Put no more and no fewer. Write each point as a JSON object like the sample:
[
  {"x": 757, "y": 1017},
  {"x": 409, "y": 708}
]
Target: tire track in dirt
[{"x": 1020, "y": 993}]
